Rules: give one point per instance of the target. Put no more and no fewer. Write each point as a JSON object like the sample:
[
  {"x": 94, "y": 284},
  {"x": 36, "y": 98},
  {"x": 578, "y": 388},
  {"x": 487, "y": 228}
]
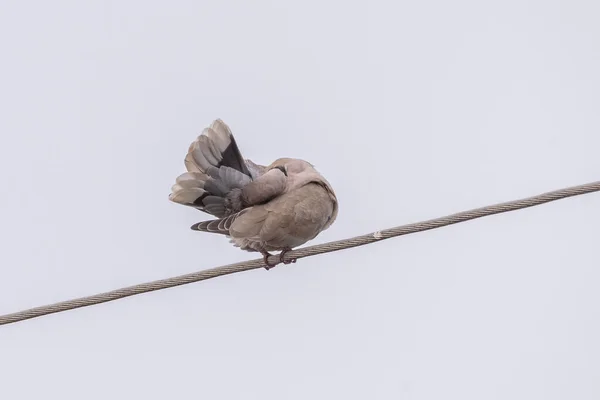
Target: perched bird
[{"x": 260, "y": 208}]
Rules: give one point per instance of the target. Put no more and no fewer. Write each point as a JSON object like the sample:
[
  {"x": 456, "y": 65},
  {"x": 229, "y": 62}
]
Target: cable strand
[{"x": 301, "y": 253}]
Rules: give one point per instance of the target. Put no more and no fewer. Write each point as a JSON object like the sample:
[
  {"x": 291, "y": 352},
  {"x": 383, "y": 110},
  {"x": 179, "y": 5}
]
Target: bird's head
[{"x": 291, "y": 166}]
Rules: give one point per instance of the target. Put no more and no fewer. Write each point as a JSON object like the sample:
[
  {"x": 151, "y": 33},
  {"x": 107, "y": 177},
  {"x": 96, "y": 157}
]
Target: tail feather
[
  {"x": 220, "y": 225},
  {"x": 211, "y": 226}
]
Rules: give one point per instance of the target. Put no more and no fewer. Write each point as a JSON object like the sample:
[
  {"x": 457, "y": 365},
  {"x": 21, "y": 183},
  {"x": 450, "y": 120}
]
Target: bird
[{"x": 260, "y": 208}]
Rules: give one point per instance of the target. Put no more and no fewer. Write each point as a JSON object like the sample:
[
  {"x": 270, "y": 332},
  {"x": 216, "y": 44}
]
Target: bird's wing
[
  {"x": 216, "y": 168},
  {"x": 214, "y": 148},
  {"x": 249, "y": 202}
]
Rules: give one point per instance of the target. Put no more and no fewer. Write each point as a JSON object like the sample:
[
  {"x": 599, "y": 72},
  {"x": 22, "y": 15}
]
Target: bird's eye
[{"x": 282, "y": 169}]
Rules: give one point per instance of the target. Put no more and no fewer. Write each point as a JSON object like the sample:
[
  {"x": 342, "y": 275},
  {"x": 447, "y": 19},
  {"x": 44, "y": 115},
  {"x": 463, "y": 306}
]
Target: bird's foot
[
  {"x": 282, "y": 254},
  {"x": 266, "y": 256}
]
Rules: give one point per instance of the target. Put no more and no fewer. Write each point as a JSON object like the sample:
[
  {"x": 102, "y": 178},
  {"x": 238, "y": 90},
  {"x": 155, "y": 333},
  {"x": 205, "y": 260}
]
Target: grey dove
[{"x": 259, "y": 208}]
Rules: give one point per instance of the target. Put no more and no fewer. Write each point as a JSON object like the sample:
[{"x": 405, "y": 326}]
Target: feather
[
  {"x": 204, "y": 144},
  {"x": 218, "y": 210},
  {"x": 216, "y": 187},
  {"x": 233, "y": 178},
  {"x": 199, "y": 157},
  {"x": 187, "y": 196}
]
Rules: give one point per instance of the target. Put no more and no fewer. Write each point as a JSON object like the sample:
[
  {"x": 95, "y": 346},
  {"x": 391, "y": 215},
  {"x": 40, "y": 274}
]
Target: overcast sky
[{"x": 412, "y": 110}]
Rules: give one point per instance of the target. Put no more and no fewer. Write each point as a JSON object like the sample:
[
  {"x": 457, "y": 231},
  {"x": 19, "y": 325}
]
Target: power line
[{"x": 301, "y": 253}]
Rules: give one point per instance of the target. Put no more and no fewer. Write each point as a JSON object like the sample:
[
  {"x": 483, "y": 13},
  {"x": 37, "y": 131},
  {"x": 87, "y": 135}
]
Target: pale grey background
[{"x": 412, "y": 110}]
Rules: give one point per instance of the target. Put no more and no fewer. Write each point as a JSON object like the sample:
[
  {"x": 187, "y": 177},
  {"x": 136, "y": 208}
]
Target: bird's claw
[
  {"x": 282, "y": 254},
  {"x": 268, "y": 265}
]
